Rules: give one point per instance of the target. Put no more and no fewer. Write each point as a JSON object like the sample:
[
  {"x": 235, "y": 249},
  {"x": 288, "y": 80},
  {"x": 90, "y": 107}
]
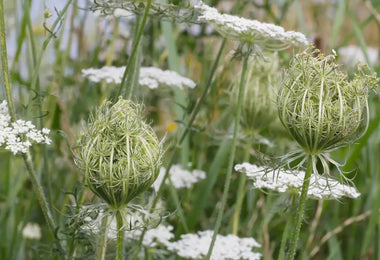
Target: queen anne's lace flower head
[
  {"x": 18, "y": 136},
  {"x": 150, "y": 77},
  {"x": 291, "y": 182},
  {"x": 119, "y": 153},
  {"x": 195, "y": 246},
  {"x": 179, "y": 177},
  {"x": 250, "y": 31}
]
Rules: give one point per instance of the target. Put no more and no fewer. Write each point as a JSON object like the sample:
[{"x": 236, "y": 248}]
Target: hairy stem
[
  {"x": 101, "y": 250},
  {"x": 231, "y": 158},
  {"x": 285, "y": 234},
  {"x": 132, "y": 58},
  {"x": 300, "y": 210},
  {"x": 120, "y": 236},
  {"x": 241, "y": 191}
]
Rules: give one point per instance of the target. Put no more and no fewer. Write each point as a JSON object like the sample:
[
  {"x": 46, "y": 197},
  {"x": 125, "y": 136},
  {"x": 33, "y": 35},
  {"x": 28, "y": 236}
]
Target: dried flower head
[
  {"x": 319, "y": 106},
  {"x": 258, "y": 106},
  {"x": 249, "y": 31},
  {"x": 119, "y": 153}
]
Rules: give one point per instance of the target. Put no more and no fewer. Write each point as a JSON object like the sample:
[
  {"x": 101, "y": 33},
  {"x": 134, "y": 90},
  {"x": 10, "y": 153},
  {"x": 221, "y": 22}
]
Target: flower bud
[
  {"x": 119, "y": 153},
  {"x": 319, "y": 106},
  {"x": 258, "y": 107}
]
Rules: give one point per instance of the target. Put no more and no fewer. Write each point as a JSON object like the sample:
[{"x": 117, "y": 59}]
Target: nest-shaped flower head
[
  {"x": 319, "y": 106},
  {"x": 119, "y": 153},
  {"x": 258, "y": 107}
]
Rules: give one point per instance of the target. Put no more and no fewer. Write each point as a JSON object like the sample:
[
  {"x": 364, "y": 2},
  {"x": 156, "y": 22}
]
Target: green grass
[{"x": 44, "y": 186}]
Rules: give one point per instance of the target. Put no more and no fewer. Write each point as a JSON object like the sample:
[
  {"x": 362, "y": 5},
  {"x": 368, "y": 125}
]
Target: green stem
[
  {"x": 34, "y": 86},
  {"x": 120, "y": 236},
  {"x": 4, "y": 62},
  {"x": 231, "y": 158},
  {"x": 132, "y": 58},
  {"x": 240, "y": 191},
  {"x": 27, "y": 156},
  {"x": 101, "y": 251},
  {"x": 285, "y": 234},
  {"x": 176, "y": 146},
  {"x": 205, "y": 91},
  {"x": 300, "y": 210}
]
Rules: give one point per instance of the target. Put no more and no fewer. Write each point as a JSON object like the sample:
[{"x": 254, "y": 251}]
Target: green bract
[
  {"x": 258, "y": 107},
  {"x": 119, "y": 153},
  {"x": 319, "y": 106}
]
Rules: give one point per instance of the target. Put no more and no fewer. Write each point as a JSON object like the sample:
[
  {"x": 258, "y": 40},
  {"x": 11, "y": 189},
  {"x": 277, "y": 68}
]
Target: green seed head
[
  {"x": 258, "y": 107},
  {"x": 319, "y": 107},
  {"x": 119, "y": 153}
]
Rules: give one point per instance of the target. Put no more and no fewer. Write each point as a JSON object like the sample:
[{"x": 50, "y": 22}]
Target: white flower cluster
[
  {"x": 179, "y": 177},
  {"x": 31, "y": 231},
  {"x": 195, "y": 246},
  {"x": 18, "y": 136},
  {"x": 320, "y": 187},
  {"x": 150, "y": 77},
  {"x": 351, "y": 55},
  {"x": 160, "y": 235},
  {"x": 250, "y": 31}
]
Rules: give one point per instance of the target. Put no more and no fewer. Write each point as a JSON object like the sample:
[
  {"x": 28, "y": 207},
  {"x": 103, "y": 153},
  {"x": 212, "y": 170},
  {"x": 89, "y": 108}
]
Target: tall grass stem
[{"x": 231, "y": 158}]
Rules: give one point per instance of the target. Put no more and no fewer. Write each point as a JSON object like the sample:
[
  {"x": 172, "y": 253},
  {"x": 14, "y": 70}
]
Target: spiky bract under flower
[
  {"x": 319, "y": 106},
  {"x": 258, "y": 107},
  {"x": 119, "y": 153}
]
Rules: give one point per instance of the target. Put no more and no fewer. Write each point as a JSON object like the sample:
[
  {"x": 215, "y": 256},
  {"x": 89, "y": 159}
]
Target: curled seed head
[
  {"x": 319, "y": 106},
  {"x": 119, "y": 153},
  {"x": 258, "y": 107}
]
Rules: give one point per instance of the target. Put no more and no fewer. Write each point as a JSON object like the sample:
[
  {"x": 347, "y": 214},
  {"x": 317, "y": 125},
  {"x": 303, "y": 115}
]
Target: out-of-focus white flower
[
  {"x": 250, "y": 31},
  {"x": 195, "y": 246},
  {"x": 160, "y": 235},
  {"x": 195, "y": 29},
  {"x": 180, "y": 178},
  {"x": 150, "y": 77},
  {"x": 32, "y": 231},
  {"x": 350, "y": 55},
  {"x": 18, "y": 136},
  {"x": 320, "y": 187}
]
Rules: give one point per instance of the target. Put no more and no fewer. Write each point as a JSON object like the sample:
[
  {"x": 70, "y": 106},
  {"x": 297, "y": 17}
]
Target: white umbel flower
[
  {"x": 180, "y": 178},
  {"x": 150, "y": 77},
  {"x": 160, "y": 235},
  {"x": 31, "y": 231},
  {"x": 320, "y": 187},
  {"x": 351, "y": 55},
  {"x": 195, "y": 246},
  {"x": 18, "y": 136},
  {"x": 249, "y": 31}
]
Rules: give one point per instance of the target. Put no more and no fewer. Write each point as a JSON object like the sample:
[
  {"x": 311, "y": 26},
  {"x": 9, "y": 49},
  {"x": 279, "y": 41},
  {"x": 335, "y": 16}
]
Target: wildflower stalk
[
  {"x": 231, "y": 158},
  {"x": 101, "y": 252},
  {"x": 180, "y": 140},
  {"x": 240, "y": 192},
  {"x": 4, "y": 62},
  {"x": 204, "y": 93},
  {"x": 132, "y": 58},
  {"x": 120, "y": 236},
  {"x": 285, "y": 234},
  {"x": 27, "y": 158},
  {"x": 300, "y": 209}
]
